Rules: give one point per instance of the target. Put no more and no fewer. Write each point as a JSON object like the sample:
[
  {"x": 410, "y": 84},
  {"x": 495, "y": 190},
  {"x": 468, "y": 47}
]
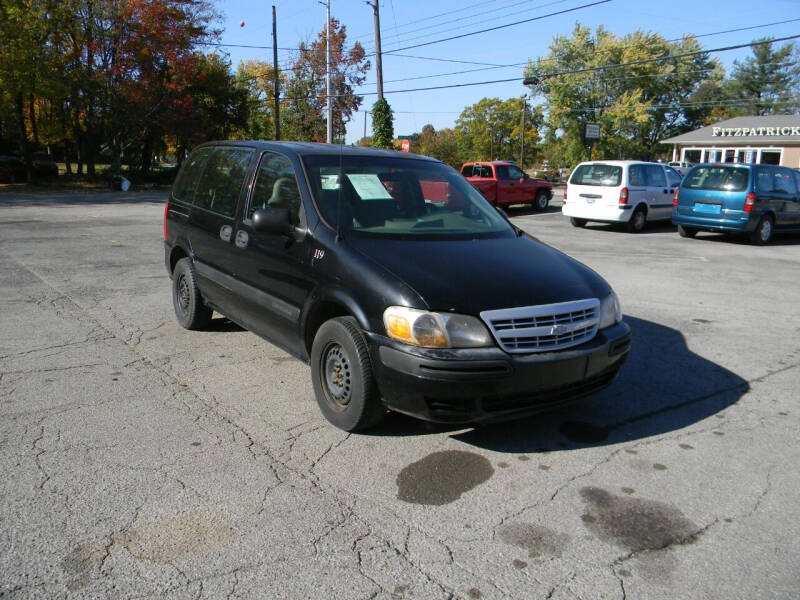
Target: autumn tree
[{"x": 303, "y": 117}]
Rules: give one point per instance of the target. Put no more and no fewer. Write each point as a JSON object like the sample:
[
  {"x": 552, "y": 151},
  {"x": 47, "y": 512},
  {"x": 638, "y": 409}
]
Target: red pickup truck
[{"x": 503, "y": 183}]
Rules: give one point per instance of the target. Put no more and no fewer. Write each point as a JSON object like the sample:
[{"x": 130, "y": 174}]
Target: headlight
[
  {"x": 435, "y": 330},
  {"x": 610, "y": 311}
]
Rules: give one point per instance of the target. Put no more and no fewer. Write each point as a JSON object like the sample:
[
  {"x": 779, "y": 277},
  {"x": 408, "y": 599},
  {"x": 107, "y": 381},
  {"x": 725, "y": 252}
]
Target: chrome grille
[{"x": 544, "y": 327}]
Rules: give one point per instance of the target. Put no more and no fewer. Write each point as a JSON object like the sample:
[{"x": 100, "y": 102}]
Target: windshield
[
  {"x": 399, "y": 197},
  {"x": 597, "y": 174},
  {"x": 728, "y": 179}
]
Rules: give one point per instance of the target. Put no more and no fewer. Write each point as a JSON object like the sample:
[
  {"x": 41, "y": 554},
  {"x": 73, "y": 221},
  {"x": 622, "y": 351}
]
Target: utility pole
[
  {"x": 329, "y": 105},
  {"x": 378, "y": 65},
  {"x": 522, "y": 137},
  {"x": 276, "y": 76}
]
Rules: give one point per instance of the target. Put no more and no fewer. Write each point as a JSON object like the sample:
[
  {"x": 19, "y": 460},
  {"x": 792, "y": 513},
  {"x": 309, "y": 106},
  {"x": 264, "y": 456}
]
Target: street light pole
[
  {"x": 522, "y": 137},
  {"x": 378, "y": 58}
]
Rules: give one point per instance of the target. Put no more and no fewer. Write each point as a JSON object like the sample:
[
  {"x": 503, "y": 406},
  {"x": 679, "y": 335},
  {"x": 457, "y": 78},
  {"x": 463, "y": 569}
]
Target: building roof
[{"x": 750, "y": 131}]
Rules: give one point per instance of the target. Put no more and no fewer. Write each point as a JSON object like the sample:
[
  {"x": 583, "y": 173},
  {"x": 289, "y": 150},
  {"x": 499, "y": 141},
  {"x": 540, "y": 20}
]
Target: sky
[{"x": 411, "y": 22}]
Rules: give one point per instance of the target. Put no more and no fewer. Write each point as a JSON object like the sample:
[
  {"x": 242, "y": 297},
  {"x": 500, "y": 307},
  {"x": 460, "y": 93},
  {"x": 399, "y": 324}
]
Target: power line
[{"x": 471, "y": 33}]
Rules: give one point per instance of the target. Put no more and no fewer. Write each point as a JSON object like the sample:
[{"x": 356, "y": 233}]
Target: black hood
[{"x": 470, "y": 276}]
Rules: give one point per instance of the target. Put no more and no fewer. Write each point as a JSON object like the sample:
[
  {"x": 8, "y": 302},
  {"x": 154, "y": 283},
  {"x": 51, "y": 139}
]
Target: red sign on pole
[{"x": 406, "y": 146}]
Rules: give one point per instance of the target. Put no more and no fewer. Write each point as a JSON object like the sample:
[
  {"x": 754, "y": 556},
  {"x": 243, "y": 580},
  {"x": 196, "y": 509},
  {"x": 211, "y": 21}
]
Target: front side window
[
  {"x": 221, "y": 184},
  {"x": 597, "y": 174},
  {"x": 276, "y": 186},
  {"x": 185, "y": 184},
  {"x": 400, "y": 197}
]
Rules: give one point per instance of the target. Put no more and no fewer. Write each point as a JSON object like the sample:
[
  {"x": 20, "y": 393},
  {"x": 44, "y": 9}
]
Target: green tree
[
  {"x": 636, "y": 105},
  {"x": 258, "y": 79},
  {"x": 767, "y": 82},
  {"x": 445, "y": 144},
  {"x": 382, "y": 124},
  {"x": 493, "y": 129},
  {"x": 303, "y": 117}
]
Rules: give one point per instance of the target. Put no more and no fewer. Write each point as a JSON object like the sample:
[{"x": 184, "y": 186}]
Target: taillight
[
  {"x": 565, "y": 192},
  {"x": 623, "y": 196},
  {"x": 675, "y": 198},
  {"x": 166, "y": 210},
  {"x": 749, "y": 201}
]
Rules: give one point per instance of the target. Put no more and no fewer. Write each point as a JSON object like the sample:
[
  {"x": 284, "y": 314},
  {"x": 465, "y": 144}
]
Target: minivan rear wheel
[
  {"x": 341, "y": 372},
  {"x": 190, "y": 311},
  {"x": 638, "y": 220},
  {"x": 687, "y": 232},
  {"x": 577, "y": 222},
  {"x": 762, "y": 234}
]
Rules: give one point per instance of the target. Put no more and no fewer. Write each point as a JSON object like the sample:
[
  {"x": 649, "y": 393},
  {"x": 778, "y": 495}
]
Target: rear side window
[
  {"x": 783, "y": 181},
  {"x": 483, "y": 171},
  {"x": 185, "y": 184},
  {"x": 637, "y": 175},
  {"x": 597, "y": 174},
  {"x": 467, "y": 171},
  {"x": 655, "y": 176},
  {"x": 726, "y": 179},
  {"x": 221, "y": 184}
]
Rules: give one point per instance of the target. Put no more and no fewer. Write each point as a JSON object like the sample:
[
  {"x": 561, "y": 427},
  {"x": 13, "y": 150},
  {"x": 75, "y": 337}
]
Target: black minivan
[{"x": 393, "y": 277}]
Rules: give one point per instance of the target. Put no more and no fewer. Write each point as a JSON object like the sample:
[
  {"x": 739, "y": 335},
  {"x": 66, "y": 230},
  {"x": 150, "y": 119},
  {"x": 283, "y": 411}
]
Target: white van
[{"x": 626, "y": 191}]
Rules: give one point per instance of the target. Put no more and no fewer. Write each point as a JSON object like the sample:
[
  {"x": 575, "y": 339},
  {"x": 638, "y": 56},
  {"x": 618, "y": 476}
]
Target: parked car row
[
  {"x": 13, "y": 170},
  {"x": 756, "y": 200}
]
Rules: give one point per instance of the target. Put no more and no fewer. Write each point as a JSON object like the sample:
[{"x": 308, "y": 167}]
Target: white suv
[{"x": 626, "y": 191}]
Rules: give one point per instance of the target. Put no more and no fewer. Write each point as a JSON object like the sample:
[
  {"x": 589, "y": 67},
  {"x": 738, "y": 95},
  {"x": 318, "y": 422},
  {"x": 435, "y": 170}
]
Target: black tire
[
  {"x": 541, "y": 200},
  {"x": 687, "y": 232},
  {"x": 762, "y": 234},
  {"x": 190, "y": 311},
  {"x": 638, "y": 221},
  {"x": 577, "y": 222},
  {"x": 342, "y": 376}
]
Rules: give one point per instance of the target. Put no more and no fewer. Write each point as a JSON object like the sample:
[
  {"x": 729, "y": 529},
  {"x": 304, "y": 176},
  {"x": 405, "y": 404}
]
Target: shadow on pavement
[
  {"x": 89, "y": 198},
  {"x": 662, "y": 387}
]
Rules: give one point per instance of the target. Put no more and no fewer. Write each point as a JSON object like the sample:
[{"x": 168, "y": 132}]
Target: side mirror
[
  {"x": 526, "y": 176},
  {"x": 273, "y": 220}
]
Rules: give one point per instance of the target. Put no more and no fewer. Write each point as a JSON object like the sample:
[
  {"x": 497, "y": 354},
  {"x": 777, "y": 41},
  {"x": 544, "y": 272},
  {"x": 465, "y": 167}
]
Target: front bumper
[{"x": 483, "y": 385}]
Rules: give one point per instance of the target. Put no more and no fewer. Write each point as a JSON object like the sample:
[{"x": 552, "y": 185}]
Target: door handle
[
  {"x": 225, "y": 233},
  {"x": 241, "y": 239}
]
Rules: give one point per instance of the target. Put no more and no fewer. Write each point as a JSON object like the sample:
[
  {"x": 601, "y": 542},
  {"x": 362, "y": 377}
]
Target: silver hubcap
[
  {"x": 766, "y": 230},
  {"x": 542, "y": 203},
  {"x": 337, "y": 375},
  {"x": 182, "y": 294}
]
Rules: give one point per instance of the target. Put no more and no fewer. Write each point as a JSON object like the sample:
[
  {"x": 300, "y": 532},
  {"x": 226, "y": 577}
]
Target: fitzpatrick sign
[{"x": 754, "y": 131}]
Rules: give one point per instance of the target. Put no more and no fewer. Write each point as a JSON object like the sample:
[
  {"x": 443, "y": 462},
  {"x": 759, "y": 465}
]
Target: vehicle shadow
[
  {"x": 654, "y": 227},
  {"x": 80, "y": 198},
  {"x": 521, "y": 210},
  {"x": 780, "y": 238},
  {"x": 663, "y": 387}
]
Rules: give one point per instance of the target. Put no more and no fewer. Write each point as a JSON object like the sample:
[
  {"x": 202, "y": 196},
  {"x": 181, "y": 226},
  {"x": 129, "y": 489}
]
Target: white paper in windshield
[{"x": 368, "y": 186}]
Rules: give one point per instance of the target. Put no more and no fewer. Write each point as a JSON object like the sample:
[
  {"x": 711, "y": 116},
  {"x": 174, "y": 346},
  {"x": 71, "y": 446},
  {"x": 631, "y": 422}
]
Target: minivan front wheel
[
  {"x": 190, "y": 311},
  {"x": 341, "y": 372},
  {"x": 763, "y": 231},
  {"x": 638, "y": 220}
]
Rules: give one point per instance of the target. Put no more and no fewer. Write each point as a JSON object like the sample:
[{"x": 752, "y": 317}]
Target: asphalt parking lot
[{"x": 141, "y": 460}]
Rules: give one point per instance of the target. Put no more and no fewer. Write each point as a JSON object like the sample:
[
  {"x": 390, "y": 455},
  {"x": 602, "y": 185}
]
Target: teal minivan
[{"x": 754, "y": 199}]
